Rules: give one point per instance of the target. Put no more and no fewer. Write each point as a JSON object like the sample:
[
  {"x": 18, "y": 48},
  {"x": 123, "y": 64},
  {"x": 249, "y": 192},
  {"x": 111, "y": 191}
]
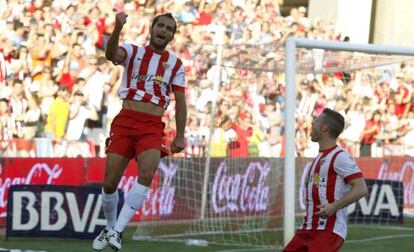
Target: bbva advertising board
[
  {"x": 383, "y": 204},
  {"x": 76, "y": 211},
  {"x": 55, "y": 211}
]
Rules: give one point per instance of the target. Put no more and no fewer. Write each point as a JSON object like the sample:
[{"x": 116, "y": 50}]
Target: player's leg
[
  {"x": 326, "y": 241},
  {"x": 120, "y": 149},
  {"x": 148, "y": 131},
  {"x": 115, "y": 167},
  {"x": 147, "y": 164},
  {"x": 297, "y": 244},
  {"x": 114, "y": 170}
]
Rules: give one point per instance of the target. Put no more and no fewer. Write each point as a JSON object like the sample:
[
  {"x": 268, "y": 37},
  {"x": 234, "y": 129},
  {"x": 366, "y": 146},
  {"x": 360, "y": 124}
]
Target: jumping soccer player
[{"x": 150, "y": 74}]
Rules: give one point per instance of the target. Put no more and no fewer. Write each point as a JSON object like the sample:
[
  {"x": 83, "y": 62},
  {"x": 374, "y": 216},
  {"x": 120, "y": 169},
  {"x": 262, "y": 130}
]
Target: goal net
[
  {"x": 221, "y": 192},
  {"x": 245, "y": 199}
]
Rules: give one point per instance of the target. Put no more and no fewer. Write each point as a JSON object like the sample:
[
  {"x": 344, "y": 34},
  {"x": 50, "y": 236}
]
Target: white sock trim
[
  {"x": 110, "y": 195},
  {"x": 140, "y": 188}
]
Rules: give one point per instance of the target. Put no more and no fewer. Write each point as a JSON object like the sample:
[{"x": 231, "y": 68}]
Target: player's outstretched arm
[
  {"x": 112, "y": 52},
  {"x": 180, "y": 120},
  {"x": 358, "y": 190}
]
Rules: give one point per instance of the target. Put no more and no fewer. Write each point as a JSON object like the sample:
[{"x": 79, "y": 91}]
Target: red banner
[
  {"x": 95, "y": 171},
  {"x": 166, "y": 201},
  {"x": 39, "y": 171}
]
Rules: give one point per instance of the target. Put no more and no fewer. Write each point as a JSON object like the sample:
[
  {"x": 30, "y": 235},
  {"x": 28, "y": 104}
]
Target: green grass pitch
[{"x": 364, "y": 238}]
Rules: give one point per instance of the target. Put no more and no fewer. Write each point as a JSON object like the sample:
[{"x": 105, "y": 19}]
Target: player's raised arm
[{"x": 112, "y": 52}]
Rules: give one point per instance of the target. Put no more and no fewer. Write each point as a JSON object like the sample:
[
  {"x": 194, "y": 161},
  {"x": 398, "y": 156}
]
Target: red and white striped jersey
[
  {"x": 327, "y": 181},
  {"x": 150, "y": 76}
]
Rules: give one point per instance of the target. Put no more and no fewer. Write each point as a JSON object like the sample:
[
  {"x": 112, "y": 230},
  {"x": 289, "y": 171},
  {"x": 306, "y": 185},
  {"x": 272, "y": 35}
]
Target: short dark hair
[
  {"x": 335, "y": 122},
  {"x": 4, "y": 100},
  {"x": 17, "y": 81},
  {"x": 224, "y": 119},
  {"x": 101, "y": 61},
  {"x": 168, "y": 15},
  {"x": 62, "y": 88}
]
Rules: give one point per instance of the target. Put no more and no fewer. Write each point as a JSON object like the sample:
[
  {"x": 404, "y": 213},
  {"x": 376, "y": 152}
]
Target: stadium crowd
[{"x": 58, "y": 94}]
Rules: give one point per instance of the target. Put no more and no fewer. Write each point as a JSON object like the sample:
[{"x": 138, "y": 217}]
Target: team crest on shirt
[
  {"x": 158, "y": 79},
  {"x": 165, "y": 65},
  {"x": 316, "y": 179}
]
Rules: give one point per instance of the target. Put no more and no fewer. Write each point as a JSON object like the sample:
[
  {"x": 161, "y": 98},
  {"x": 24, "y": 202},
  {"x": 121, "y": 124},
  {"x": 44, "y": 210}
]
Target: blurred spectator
[
  {"x": 58, "y": 115},
  {"x": 94, "y": 88},
  {"x": 7, "y": 129},
  {"x": 205, "y": 10},
  {"x": 239, "y": 147},
  {"x": 195, "y": 143},
  {"x": 408, "y": 138},
  {"x": 78, "y": 113},
  {"x": 47, "y": 89},
  {"x": 32, "y": 120},
  {"x": 355, "y": 124},
  {"x": 18, "y": 106},
  {"x": 371, "y": 130},
  {"x": 188, "y": 13},
  {"x": 402, "y": 97},
  {"x": 221, "y": 137}
]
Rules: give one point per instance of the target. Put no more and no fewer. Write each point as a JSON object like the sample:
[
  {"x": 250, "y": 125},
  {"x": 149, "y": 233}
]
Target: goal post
[{"x": 291, "y": 46}]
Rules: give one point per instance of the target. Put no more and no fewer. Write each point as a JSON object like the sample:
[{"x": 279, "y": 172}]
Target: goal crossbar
[{"x": 290, "y": 107}]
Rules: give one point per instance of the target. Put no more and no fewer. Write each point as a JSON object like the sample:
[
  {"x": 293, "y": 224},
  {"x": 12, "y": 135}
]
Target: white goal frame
[{"x": 290, "y": 107}]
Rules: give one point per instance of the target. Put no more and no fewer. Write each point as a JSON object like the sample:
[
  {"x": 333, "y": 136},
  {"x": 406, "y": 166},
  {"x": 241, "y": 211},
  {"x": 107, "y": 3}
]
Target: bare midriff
[{"x": 145, "y": 107}]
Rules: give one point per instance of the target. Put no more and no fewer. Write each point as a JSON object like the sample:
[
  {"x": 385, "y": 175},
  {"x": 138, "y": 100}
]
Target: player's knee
[
  {"x": 109, "y": 187},
  {"x": 136, "y": 196},
  {"x": 145, "y": 179}
]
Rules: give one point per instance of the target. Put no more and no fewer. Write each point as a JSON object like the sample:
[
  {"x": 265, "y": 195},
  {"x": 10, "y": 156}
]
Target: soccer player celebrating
[
  {"x": 150, "y": 74},
  {"x": 332, "y": 183}
]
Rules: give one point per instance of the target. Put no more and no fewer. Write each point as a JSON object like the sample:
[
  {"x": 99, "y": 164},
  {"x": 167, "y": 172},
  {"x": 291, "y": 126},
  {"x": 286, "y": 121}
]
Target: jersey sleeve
[
  {"x": 127, "y": 48},
  {"x": 346, "y": 167},
  {"x": 178, "y": 82}
]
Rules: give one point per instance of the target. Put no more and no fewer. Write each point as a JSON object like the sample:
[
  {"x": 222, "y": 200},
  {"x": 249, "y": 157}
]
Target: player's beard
[
  {"x": 157, "y": 45},
  {"x": 315, "y": 137}
]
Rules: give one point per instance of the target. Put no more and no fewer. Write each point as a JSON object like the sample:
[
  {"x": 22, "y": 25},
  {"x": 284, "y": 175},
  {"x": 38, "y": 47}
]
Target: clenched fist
[
  {"x": 120, "y": 19},
  {"x": 177, "y": 145}
]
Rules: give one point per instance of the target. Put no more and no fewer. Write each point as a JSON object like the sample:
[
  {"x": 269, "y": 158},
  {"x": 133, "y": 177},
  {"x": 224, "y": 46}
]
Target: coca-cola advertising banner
[
  {"x": 234, "y": 186},
  {"x": 242, "y": 187},
  {"x": 47, "y": 171},
  {"x": 55, "y": 211}
]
